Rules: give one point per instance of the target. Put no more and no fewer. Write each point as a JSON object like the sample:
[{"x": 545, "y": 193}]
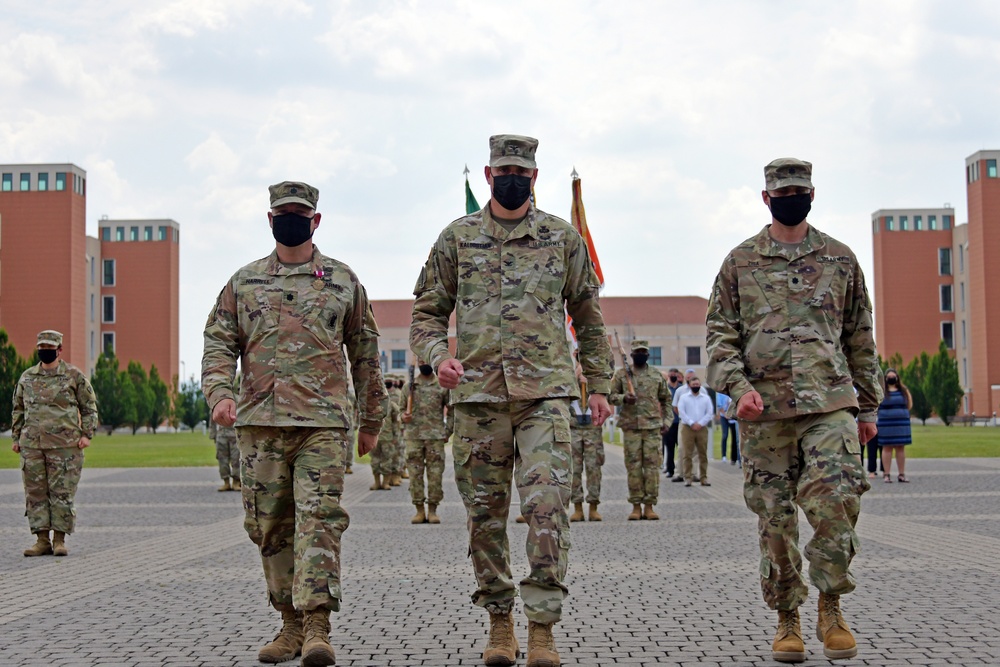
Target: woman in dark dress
[{"x": 894, "y": 425}]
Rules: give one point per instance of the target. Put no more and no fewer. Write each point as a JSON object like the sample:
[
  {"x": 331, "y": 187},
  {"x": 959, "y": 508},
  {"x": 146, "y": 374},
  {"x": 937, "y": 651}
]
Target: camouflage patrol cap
[
  {"x": 293, "y": 192},
  {"x": 639, "y": 344},
  {"x": 512, "y": 149},
  {"x": 50, "y": 337},
  {"x": 787, "y": 171}
]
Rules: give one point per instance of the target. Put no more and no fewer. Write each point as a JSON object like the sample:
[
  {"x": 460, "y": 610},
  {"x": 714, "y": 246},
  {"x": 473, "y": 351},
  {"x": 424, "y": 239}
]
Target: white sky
[{"x": 188, "y": 109}]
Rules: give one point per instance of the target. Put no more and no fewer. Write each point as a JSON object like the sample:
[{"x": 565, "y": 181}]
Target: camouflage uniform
[
  {"x": 510, "y": 292},
  {"x": 53, "y": 409},
  {"x": 587, "y": 445},
  {"x": 796, "y": 326},
  {"x": 352, "y": 430},
  {"x": 383, "y": 457},
  {"x": 227, "y": 451},
  {"x": 289, "y": 327},
  {"x": 397, "y": 460},
  {"x": 641, "y": 424},
  {"x": 426, "y": 435}
]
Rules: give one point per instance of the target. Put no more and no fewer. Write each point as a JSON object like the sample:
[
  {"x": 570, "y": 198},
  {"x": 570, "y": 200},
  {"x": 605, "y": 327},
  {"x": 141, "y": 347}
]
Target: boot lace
[
  {"x": 316, "y": 625},
  {"x": 788, "y": 623},
  {"x": 291, "y": 625},
  {"x": 831, "y": 611},
  {"x": 500, "y": 630},
  {"x": 540, "y": 636}
]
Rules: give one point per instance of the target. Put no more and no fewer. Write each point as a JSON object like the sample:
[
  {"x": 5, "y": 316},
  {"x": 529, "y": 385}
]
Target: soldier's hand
[
  {"x": 15, "y": 447},
  {"x": 630, "y": 399},
  {"x": 866, "y": 431},
  {"x": 450, "y": 373},
  {"x": 84, "y": 442},
  {"x": 366, "y": 442},
  {"x": 224, "y": 412},
  {"x": 406, "y": 418},
  {"x": 750, "y": 406},
  {"x": 599, "y": 408}
]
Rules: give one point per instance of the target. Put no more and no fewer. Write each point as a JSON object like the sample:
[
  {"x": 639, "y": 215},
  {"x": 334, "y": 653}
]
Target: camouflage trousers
[
  {"x": 588, "y": 452},
  {"x": 383, "y": 457},
  {"x": 528, "y": 441},
  {"x": 293, "y": 477},
  {"x": 352, "y": 444},
  {"x": 399, "y": 460},
  {"x": 426, "y": 455},
  {"x": 227, "y": 453},
  {"x": 643, "y": 458},
  {"x": 694, "y": 442},
  {"x": 813, "y": 462},
  {"x": 50, "y": 479}
]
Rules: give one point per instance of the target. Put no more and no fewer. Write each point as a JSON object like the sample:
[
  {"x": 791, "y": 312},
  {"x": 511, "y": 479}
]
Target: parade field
[{"x": 179, "y": 450}]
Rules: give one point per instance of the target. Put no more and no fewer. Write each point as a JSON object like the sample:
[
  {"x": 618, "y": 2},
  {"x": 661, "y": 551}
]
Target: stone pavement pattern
[{"x": 161, "y": 573}]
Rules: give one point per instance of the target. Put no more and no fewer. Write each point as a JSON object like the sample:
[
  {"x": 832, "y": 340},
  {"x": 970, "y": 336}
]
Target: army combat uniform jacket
[
  {"x": 289, "y": 326},
  {"x": 652, "y": 408},
  {"x": 797, "y": 328},
  {"x": 430, "y": 400},
  {"x": 508, "y": 292},
  {"x": 53, "y": 408}
]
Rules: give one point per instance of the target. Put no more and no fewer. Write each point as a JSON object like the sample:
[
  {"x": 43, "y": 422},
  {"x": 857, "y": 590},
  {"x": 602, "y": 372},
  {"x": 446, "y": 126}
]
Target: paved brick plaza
[{"x": 161, "y": 573}]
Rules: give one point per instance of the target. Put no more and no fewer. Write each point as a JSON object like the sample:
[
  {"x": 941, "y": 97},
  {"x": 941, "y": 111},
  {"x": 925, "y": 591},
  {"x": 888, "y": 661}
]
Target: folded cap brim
[
  {"x": 515, "y": 160},
  {"x": 292, "y": 200}
]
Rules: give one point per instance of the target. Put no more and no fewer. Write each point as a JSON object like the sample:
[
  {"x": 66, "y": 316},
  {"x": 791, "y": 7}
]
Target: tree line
[
  {"x": 129, "y": 397},
  {"x": 933, "y": 383}
]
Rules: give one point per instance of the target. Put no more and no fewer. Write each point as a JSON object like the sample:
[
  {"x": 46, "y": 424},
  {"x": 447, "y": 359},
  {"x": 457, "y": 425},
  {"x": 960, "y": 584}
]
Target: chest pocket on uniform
[
  {"x": 758, "y": 296},
  {"x": 476, "y": 280}
]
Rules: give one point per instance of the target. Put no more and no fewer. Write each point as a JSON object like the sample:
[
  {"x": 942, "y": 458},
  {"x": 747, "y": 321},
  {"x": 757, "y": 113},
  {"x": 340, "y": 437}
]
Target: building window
[
  {"x": 107, "y": 342},
  {"x": 904, "y": 223},
  {"x": 875, "y": 226},
  {"x": 946, "y": 305},
  {"x": 105, "y": 233},
  {"x": 119, "y": 233},
  {"x": 108, "y": 309},
  {"x": 965, "y": 342},
  {"x": 961, "y": 296},
  {"x": 693, "y": 356},
  {"x": 8, "y": 182},
  {"x": 948, "y": 334},
  {"x": 163, "y": 234},
  {"x": 43, "y": 182},
  {"x": 888, "y": 223},
  {"x": 147, "y": 233},
  {"x": 93, "y": 307},
  {"x": 25, "y": 182},
  {"x": 93, "y": 270},
  {"x": 177, "y": 235},
  {"x": 133, "y": 234},
  {"x": 991, "y": 168},
  {"x": 398, "y": 359},
  {"x": 965, "y": 379},
  {"x": 109, "y": 272},
  {"x": 946, "y": 222},
  {"x": 92, "y": 343},
  {"x": 60, "y": 181},
  {"x": 961, "y": 258},
  {"x": 932, "y": 222},
  {"x": 656, "y": 356},
  {"x": 944, "y": 261},
  {"x": 918, "y": 222}
]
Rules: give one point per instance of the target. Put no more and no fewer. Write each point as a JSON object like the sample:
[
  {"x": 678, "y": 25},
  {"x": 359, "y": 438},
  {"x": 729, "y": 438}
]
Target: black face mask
[
  {"x": 47, "y": 356},
  {"x": 695, "y": 390},
  {"x": 891, "y": 381},
  {"x": 426, "y": 369},
  {"x": 511, "y": 190},
  {"x": 674, "y": 378},
  {"x": 639, "y": 359},
  {"x": 291, "y": 229},
  {"x": 791, "y": 210}
]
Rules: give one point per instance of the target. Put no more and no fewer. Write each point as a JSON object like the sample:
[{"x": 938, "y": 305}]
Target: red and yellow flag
[{"x": 579, "y": 219}]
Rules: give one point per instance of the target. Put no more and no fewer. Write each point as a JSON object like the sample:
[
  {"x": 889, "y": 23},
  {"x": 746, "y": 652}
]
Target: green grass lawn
[{"x": 147, "y": 450}]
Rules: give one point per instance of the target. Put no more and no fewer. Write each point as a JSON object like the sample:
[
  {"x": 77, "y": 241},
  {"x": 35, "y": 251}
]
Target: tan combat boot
[
  {"x": 385, "y": 483},
  {"x": 378, "y": 483},
  {"x": 649, "y": 514},
  {"x": 226, "y": 486},
  {"x": 592, "y": 514},
  {"x": 502, "y": 648},
  {"x": 348, "y": 470},
  {"x": 405, "y": 474},
  {"x": 432, "y": 514},
  {"x": 832, "y": 629},
  {"x": 59, "y": 544},
  {"x": 787, "y": 645},
  {"x": 541, "y": 646},
  {"x": 237, "y": 486},
  {"x": 42, "y": 547},
  {"x": 577, "y": 514},
  {"x": 316, "y": 649},
  {"x": 393, "y": 479},
  {"x": 288, "y": 642},
  {"x": 520, "y": 519},
  {"x": 419, "y": 517},
  {"x": 636, "y": 513}
]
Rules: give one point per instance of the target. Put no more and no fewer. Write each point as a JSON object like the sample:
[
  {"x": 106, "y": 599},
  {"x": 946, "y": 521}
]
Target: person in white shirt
[{"x": 696, "y": 411}]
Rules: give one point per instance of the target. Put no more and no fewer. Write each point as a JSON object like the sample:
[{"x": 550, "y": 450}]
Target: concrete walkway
[{"x": 161, "y": 573}]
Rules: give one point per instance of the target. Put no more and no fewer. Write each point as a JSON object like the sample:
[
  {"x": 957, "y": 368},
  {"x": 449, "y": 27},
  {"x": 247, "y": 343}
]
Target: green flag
[{"x": 471, "y": 205}]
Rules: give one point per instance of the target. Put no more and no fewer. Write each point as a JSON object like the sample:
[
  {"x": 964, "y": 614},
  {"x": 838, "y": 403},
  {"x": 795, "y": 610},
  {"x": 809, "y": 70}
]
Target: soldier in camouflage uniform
[
  {"x": 789, "y": 339},
  {"x": 288, "y": 319},
  {"x": 588, "y": 452},
  {"x": 54, "y": 417},
  {"x": 383, "y": 455},
  {"x": 645, "y": 416},
  {"x": 428, "y": 428},
  {"x": 227, "y": 453},
  {"x": 511, "y": 272},
  {"x": 397, "y": 457}
]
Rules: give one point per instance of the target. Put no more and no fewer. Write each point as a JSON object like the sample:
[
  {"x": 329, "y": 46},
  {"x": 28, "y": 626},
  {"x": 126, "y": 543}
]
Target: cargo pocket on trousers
[
  {"x": 563, "y": 475},
  {"x": 466, "y": 431},
  {"x": 765, "y": 567},
  {"x": 330, "y": 488},
  {"x": 250, "y": 523},
  {"x": 852, "y": 444}
]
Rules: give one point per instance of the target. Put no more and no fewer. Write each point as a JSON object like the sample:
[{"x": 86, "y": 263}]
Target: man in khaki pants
[{"x": 696, "y": 411}]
